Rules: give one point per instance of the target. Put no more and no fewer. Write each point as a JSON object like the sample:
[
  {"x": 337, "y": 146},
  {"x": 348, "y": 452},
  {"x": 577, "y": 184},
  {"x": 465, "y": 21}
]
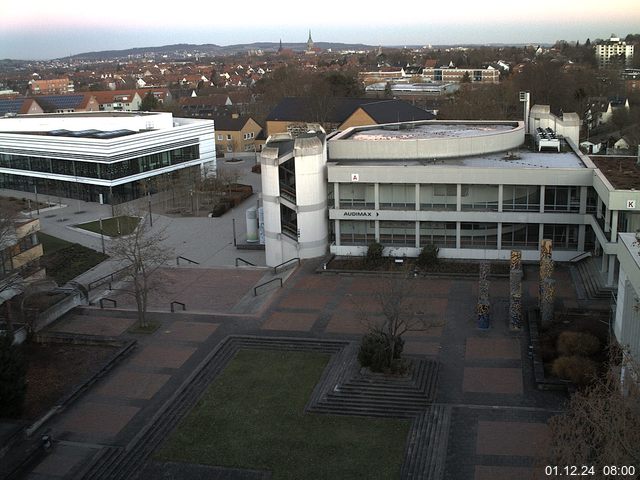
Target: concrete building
[
  {"x": 614, "y": 52},
  {"x": 99, "y": 156},
  {"x": 452, "y": 74},
  {"x": 626, "y": 326},
  {"x": 294, "y": 196},
  {"x": 475, "y": 189},
  {"x": 56, "y": 86}
]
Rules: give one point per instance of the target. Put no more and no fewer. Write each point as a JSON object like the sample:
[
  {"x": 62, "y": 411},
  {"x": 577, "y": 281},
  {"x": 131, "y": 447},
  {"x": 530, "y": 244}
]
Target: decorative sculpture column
[
  {"x": 547, "y": 285},
  {"x": 482, "y": 309},
  {"x": 515, "y": 290},
  {"x": 547, "y": 304}
]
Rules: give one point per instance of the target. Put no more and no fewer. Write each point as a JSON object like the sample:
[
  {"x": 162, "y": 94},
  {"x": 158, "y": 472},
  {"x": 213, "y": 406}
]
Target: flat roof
[
  {"x": 622, "y": 172},
  {"x": 432, "y": 130},
  {"x": 524, "y": 158}
]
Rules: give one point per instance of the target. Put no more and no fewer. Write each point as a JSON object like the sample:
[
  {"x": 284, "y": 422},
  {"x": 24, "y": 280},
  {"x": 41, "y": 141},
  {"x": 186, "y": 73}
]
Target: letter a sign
[{"x": 355, "y": 177}]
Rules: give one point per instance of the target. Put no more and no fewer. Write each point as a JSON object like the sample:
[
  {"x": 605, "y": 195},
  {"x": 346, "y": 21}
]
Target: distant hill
[{"x": 182, "y": 50}]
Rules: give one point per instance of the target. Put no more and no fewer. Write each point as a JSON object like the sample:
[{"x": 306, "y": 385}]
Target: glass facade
[
  {"x": 438, "y": 197},
  {"x": 101, "y": 170}
]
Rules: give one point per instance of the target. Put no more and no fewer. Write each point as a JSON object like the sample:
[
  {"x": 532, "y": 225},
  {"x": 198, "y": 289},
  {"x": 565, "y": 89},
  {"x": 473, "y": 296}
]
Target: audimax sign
[{"x": 360, "y": 214}]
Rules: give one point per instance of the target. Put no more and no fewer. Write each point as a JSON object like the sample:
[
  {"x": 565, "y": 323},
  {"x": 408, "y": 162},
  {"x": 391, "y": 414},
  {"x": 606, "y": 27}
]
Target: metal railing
[
  {"x": 107, "y": 278},
  {"x": 174, "y": 303},
  {"x": 296, "y": 259},
  {"x": 255, "y": 289},
  {"x": 579, "y": 257},
  {"x": 113, "y": 302},
  {"x": 238, "y": 259},
  {"x": 187, "y": 259}
]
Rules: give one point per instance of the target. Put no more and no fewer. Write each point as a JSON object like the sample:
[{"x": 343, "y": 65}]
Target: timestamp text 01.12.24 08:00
[{"x": 623, "y": 471}]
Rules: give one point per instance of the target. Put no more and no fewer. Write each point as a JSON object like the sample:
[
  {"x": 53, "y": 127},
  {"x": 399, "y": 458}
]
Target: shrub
[
  {"x": 374, "y": 257},
  {"x": 13, "y": 371},
  {"x": 375, "y": 351},
  {"x": 578, "y": 343},
  {"x": 428, "y": 256},
  {"x": 577, "y": 369}
]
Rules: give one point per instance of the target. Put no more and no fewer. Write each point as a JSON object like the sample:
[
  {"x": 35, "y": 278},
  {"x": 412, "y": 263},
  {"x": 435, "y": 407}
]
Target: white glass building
[{"x": 99, "y": 156}]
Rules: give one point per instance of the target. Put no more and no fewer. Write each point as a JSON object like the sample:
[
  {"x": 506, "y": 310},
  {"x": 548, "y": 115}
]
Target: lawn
[
  {"x": 252, "y": 417},
  {"x": 112, "y": 227},
  {"x": 64, "y": 260}
]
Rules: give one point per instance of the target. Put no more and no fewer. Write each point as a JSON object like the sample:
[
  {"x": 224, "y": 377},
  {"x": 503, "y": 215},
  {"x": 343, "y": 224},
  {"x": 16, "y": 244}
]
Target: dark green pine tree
[{"x": 13, "y": 371}]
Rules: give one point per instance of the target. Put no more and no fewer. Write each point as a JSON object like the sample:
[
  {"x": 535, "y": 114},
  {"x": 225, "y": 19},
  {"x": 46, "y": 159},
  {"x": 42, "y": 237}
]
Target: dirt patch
[{"x": 53, "y": 370}]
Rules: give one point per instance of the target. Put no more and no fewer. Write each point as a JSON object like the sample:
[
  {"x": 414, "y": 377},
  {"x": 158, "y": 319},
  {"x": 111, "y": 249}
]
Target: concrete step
[{"x": 425, "y": 454}]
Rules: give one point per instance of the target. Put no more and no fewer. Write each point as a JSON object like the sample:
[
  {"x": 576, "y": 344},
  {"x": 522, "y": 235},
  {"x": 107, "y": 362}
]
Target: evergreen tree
[{"x": 13, "y": 371}]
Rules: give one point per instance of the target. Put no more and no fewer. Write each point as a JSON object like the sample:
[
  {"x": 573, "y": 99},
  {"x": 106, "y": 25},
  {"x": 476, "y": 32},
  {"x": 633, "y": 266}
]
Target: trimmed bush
[
  {"x": 578, "y": 343},
  {"x": 577, "y": 369},
  {"x": 375, "y": 352},
  {"x": 374, "y": 255},
  {"x": 13, "y": 384},
  {"x": 428, "y": 256}
]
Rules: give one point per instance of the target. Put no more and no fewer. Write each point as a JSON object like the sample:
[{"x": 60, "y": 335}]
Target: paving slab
[
  {"x": 93, "y": 325},
  {"x": 127, "y": 384},
  {"x": 347, "y": 322},
  {"x": 304, "y": 300},
  {"x": 61, "y": 460},
  {"x": 162, "y": 356},
  {"x": 512, "y": 438},
  {"x": 97, "y": 419},
  {"x": 492, "y": 348},
  {"x": 492, "y": 380},
  {"x": 290, "y": 321},
  {"x": 188, "y": 331},
  {"x": 421, "y": 348}
]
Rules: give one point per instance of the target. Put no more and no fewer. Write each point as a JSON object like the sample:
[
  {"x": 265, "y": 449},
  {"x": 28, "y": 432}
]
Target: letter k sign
[{"x": 631, "y": 204}]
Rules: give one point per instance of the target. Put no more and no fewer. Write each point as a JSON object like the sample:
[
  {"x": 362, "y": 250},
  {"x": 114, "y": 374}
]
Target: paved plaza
[{"x": 498, "y": 420}]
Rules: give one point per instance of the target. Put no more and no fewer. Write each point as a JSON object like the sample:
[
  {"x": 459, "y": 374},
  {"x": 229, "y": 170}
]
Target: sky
[{"x": 43, "y": 29}]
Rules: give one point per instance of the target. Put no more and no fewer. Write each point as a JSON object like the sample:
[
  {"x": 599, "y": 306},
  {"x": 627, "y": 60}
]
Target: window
[
  {"x": 434, "y": 197},
  {"x": 520, "y": 235},
  {"x": 479, "y": 235},
  {"x": 220, "y": 136},
  {"x": 401, "y": 234},
  {"x": 354, "y": 232},
  {"x": 561, "y": 199},
  {"x": 564, "y": 237},
  {"x": 521, "y": 198},
  {"x": 357, "y": 195},
  {"x": 398, "y": 196},
  {"x": 480, "y": 197},
  {"x": 228, "y": 136},
  {"x": 440, "y": 234}
]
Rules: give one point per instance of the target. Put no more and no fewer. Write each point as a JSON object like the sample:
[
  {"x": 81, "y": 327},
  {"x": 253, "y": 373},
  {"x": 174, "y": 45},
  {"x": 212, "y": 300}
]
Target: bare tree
[
  {"x": 145, "y": 252},
  {"x": 601, "y": 426},
  {"x": 9, "y": 278},
  {"x": 397, "y": 297}
]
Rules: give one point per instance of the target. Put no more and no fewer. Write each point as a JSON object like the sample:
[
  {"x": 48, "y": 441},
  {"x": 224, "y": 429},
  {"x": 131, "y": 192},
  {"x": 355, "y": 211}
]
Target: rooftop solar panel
[{"x": 10, "y": 106}]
